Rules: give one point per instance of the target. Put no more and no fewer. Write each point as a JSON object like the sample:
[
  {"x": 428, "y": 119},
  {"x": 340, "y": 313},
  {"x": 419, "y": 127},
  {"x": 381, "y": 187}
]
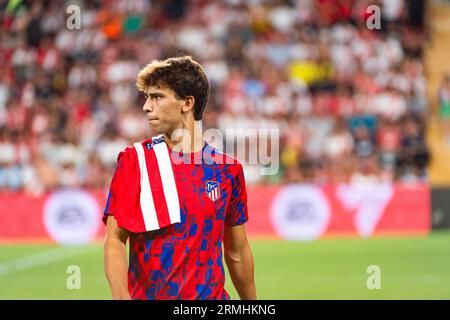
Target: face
[{"x": 163, "y": 109}]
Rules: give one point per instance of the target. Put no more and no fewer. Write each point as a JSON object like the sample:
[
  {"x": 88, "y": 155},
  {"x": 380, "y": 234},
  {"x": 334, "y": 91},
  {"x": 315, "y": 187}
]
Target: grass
[{"x": 411, "y": 268}]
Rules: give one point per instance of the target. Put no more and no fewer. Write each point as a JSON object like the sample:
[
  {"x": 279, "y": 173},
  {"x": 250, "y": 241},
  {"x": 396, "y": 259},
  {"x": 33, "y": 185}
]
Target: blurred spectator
[
  {"x": 389, "y": 144},
  {"x": 444, "y": 107},
  {"x": 414, "y": 154},
  {"x": 11, "y": 154}
]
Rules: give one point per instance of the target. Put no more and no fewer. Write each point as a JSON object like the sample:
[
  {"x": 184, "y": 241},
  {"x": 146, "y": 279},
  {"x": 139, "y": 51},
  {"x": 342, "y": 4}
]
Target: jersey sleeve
[
  {"x": 123, "y": 197},
  {"x": 237, "y": 213},
  {"x": 114, "y": 188}
]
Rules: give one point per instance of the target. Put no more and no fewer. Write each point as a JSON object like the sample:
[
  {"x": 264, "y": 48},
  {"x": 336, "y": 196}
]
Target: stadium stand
[
  {"x": 436, "y": 60},
  {"x": 334, "y": 88}
]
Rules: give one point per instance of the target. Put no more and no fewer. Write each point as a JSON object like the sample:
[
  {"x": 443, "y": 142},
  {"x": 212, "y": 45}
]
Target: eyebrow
[{"x": 155, "y": 94}]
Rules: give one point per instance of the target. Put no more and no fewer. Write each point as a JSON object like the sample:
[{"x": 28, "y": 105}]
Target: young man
[{"x": 176, "y": 200}]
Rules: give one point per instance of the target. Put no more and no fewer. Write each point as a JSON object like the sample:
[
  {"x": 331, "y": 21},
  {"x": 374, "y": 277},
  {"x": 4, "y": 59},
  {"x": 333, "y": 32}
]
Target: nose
[{"x": 147, "y": 106}]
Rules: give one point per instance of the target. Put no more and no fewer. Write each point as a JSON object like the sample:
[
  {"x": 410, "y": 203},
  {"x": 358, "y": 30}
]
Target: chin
[{"x": 156, "y": 130}]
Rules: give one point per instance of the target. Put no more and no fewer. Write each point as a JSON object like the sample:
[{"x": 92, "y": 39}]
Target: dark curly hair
[{"x": 183, "y": 75}]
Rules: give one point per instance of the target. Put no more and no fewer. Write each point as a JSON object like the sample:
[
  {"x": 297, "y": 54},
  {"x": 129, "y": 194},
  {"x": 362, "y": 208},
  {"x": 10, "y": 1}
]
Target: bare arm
[
  {"x": 239, "y": 260},
  {"x": 115, "y": 259}
]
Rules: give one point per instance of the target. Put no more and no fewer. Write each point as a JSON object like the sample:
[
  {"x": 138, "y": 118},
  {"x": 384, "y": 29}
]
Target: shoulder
[
  {"x": 233, "y": 165},
  {"x": 125, "y": 154},
  {"x": 131, "y": 152},
  {"x": 220, "y": 157},
  {"x": 150, "y": 143}
]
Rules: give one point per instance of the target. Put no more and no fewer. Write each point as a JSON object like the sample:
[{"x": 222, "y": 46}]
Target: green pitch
[{"x": 411, "y": 268}]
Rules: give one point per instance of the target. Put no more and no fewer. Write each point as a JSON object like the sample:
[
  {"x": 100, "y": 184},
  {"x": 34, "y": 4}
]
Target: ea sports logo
[
  {"x": 71, "y": 216},
  {"x": 300, "y": 212}
]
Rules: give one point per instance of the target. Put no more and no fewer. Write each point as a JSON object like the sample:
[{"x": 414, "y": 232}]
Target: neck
[{"x": 188, "y": 139}]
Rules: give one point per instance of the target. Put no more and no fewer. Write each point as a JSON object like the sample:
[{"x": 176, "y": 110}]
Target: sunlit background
[{"x": 359, "y": 91}]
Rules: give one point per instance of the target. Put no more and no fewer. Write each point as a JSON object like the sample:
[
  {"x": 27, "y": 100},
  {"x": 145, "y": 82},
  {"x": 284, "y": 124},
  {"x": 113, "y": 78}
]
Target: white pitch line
[{"x": 44, "y": 257}]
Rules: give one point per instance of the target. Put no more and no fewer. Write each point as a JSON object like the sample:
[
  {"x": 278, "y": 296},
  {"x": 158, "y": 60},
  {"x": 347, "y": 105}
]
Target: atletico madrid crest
[{"x": 213, "y": 190}]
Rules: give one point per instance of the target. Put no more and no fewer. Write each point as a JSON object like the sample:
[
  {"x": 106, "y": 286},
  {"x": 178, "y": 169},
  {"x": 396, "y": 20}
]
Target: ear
[{"x": 188, "y": 104}]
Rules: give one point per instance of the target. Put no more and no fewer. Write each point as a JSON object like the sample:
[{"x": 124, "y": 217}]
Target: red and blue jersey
[{"x": 181, "y": 260}]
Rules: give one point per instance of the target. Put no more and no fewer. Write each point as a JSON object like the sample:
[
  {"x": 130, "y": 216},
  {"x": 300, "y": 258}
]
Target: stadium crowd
[{"x": 349, "y": 101}]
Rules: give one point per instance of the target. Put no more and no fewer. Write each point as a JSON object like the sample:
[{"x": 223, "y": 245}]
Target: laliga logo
[
  {"x": 71, "y": 216},
  {"x": 300, "y": 212}
]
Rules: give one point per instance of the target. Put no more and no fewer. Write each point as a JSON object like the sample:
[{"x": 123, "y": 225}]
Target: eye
[{"x": 155, "y": 97}]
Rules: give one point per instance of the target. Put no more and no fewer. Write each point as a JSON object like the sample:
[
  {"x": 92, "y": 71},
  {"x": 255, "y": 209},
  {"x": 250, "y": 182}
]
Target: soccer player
[{"x": 177, "y": 200}]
